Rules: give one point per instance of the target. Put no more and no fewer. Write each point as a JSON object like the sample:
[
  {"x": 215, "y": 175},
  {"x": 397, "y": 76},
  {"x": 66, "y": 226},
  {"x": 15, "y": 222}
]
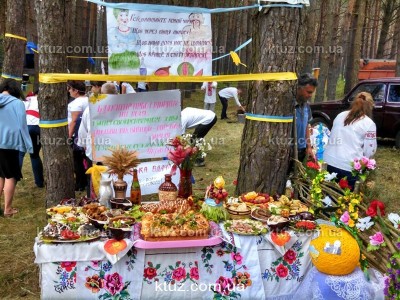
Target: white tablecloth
[{"x": 242, "y": 267}]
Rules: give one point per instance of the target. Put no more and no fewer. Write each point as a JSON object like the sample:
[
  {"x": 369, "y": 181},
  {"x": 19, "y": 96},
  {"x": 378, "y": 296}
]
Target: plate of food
[
  {"x": 260, "y": 214},
  {"x": 245, "y": 227},
  {"x": 256, "y": 198},
  {"x": 60, "y": 233}
]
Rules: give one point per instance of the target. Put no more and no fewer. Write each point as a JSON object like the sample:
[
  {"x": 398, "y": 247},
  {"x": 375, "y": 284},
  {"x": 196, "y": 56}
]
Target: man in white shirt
[
  {"x": 210, "y": 96},
  {"x": 32, "y": 120},
  {"x": 224, "y": 95},
  {"x": 200, "y": 119}
]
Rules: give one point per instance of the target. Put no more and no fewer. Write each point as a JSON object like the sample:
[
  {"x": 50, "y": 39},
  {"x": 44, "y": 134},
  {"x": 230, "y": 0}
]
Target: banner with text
[
  {"x": 150, "y": 174},
  {"x": 159, "y": 43},
  {"x": 143, "y": 122}
]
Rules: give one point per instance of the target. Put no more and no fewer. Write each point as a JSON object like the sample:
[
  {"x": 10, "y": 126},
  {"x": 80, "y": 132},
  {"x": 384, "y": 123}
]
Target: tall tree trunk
[
  {"x": 396, "y": 37},
  {"x": 335, "y": 55},
  {"x": 14, "y": 49},
  {"x": 386, "y": 20},
  {"x": 264, "y": 155},
  {"x": 3, "y": 3},
  {"x": 346, "y": 33},
  {"x": 353, "y": 61},
  {"x": 375, "y": 31},
  {"x": 57, "y": 154},
  {"x": 326, "y": 42},
  {"x": 308, "y": 35}
]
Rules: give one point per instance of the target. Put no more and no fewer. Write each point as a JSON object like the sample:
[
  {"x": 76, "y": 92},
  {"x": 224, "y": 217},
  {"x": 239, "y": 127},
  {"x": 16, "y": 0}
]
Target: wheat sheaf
[{"x": 121, "y": 161}]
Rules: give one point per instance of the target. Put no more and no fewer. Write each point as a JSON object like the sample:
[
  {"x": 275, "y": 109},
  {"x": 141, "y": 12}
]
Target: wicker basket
[{"x": 237, "y": 215}]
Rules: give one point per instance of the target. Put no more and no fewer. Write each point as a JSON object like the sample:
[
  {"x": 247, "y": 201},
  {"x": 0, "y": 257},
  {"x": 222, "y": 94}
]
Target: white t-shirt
[
  {"x": 84, "y": 136},
  {"x": 78, "y": 104},
  {"x": 348, "y": 142},
  {"x": 191, "y": 117},
  {"x": 31, "y": 104},
  {"x": 141, "y": 85},
  {"x": 129, "y": 88},
  {"x": 230, "y": 92},
  {"x": 210, "y": 91}
]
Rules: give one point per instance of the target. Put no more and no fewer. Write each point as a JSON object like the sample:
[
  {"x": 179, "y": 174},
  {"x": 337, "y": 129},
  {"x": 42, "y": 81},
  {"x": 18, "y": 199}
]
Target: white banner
[
  {"x": 143, "y": 122},
  {"x": 160, "y": 43},
  {"x": 150, "y": 174}
]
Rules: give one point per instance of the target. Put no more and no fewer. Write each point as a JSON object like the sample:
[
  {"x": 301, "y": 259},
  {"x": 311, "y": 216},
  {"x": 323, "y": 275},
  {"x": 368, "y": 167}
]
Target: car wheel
[
  {"x": 397, "y": 141},
  {"x": 316, "y": 121}
]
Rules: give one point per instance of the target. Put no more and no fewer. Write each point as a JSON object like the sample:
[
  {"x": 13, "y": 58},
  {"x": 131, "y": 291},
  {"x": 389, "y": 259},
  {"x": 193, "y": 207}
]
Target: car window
[
  {"x": 394, "y": 93},
  {"x": 377, "y": 90}
]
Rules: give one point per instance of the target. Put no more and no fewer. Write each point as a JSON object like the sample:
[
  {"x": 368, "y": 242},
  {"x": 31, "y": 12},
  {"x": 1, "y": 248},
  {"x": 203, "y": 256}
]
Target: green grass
[{"x": 19, "y": 275}]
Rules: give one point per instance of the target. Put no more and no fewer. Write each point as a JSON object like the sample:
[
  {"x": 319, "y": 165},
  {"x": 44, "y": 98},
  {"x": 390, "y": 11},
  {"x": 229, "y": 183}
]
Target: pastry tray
[{"x": 214, "y": 238}]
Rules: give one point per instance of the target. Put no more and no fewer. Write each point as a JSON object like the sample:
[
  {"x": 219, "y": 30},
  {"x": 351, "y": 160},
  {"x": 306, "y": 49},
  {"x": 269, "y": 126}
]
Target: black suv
[{"x": 386, "y": 114}]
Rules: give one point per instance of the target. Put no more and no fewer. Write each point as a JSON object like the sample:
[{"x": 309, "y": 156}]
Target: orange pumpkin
[
  {"x": 113, "y": 246},
  {"x": 280, "y": 238}
]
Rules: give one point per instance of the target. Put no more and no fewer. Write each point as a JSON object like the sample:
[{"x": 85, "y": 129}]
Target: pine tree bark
[
  {"x": 353, "y": 60},
  {"x": 327, "y": 34},
  {"x": 386, "y": 21},
  {"x": 57, "y": 154},
  {"x": 3, "y": 3},
  {"x": 265, "y": 146},
  {"x": 14, "y": 49}
]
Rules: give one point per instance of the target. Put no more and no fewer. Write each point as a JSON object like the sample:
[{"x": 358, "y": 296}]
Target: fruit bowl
[{"x": 121, "y": 227}]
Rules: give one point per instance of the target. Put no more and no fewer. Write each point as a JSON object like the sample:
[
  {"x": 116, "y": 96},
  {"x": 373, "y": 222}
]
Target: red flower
[
  {"x": 237, "y": 257},
  {"x": 68, "y": 265},
  {"x": 220, "y": 252},
  {"x": 179, "y": 274},
  {"x": 344, "y": 184},
  {"x": 235, "y": 182},
  {"x": 150, "y": 273},
  {"x": 194, "y": 273},
  {"x": 113, "y": 283},
  {"x": 224, "y": 285},
  {"x": 282, "y": 271},
  {"x": 372, "y": 210},
  {"x": 313, "y": 165},
  {"x": 290, "y": 256}
]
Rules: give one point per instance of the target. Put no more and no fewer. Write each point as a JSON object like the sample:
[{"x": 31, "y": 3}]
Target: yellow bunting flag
[{"x": 236, "y": 58}]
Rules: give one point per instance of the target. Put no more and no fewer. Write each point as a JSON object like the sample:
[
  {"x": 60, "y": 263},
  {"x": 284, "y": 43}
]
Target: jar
[
  {"x": 105, "y": 192},
  {"x": 167, "y": 190}
]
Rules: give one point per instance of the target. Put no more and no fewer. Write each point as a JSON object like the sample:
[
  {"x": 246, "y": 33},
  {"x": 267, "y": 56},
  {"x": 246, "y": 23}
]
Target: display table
[{"x": 245, "y": 267}]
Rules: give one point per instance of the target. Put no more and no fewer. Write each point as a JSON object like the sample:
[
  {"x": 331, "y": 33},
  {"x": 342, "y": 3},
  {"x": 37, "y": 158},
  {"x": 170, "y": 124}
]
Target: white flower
[
  {"x": 395, "y": 219},
  {"x": 330, "y": 176},
  {"x": 364, "y": 223},
  {"x": 327, "y": 201}
]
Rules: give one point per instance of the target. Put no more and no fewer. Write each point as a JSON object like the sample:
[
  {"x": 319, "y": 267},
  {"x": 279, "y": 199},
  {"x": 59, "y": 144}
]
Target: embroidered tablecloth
[{"x": 241, "y": 267}]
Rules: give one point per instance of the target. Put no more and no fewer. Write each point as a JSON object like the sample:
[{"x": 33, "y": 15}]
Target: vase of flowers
[
  {"x": 119, "y": 163},
  {"x": 183, "y": 152}
]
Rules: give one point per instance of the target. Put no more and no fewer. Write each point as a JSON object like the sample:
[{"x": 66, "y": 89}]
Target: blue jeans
[{"x": 36, "y": 161}]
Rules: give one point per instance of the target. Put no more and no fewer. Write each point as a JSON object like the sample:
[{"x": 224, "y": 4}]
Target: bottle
[
  {"x": 136, "y": 194},
  {"x": 142, "y": 68},
  {"x": 167, "y": 190}
]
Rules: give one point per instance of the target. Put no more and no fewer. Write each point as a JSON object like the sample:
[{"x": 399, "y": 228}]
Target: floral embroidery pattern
[
  {"x": 112, "y": 284},
  {"x": 286, "y": 267},
  {"x": 67, "y": 272},
  {"x": 132, "y": 253},
  {"x": 171, "y": 274},
  {"x": 225, "y": 287}
]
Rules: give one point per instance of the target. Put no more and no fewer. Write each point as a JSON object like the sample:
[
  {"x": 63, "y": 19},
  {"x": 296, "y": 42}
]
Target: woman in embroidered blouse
[{"x": 353, "y": 135}]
